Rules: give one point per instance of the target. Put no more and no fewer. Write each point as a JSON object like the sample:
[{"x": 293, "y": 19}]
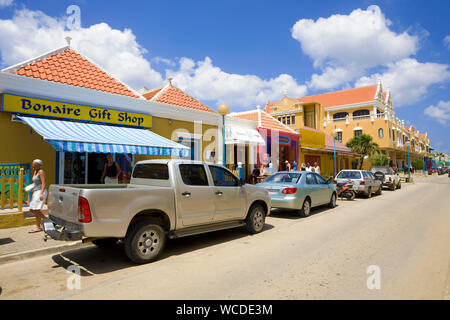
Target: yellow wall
[
  {"x": 21, "y": 145},
  {"x": 327, "y": 161}
]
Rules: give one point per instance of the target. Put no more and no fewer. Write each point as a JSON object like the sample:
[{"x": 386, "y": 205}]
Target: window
[
  {"x": 288, "y": 120},
  {"x": 193, "y": 174},
  {"x": 380, "y": 133},
  {"x": 279, "y": 119},
  {"x": 358, "y": 133},
  {"x": 284, "y": 120},
  {"x": 293, "y": 120},
  {"x": 393, "y": 135},
  {"x": 320, "y": 180},
  {"x": 310, "y": 179},
  {"x": 340, "y": 115},
  {"x": 339, "y": 136},
  {"x": 349, "y": 175},
  {"x": 151, "y": 171},
  {"x": 223, "y": 178},
  {"x": 283, "y": 178},
  {"x": 361, "y": 113}
]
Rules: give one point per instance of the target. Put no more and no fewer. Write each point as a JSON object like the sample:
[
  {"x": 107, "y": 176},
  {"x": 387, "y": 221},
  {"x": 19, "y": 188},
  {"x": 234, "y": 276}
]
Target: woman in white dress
[{"x": 39, "y": 194}]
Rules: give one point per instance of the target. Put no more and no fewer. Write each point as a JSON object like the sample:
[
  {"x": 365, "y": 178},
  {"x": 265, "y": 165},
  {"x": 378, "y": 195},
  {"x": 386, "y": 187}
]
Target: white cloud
[
  {"x": 205, "y": 81},
  {"x": 441, "y": 112},
  {"x": 6, "y": 3},
  {"x": 31, "y": 33},
  {"x": 408, "y": 79},
  {"x": 345, "y": 46},
  {"x": 447, "y": 42}
]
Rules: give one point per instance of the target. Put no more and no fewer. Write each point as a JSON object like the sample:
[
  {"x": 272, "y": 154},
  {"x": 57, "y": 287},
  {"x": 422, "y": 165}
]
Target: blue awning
[{"x": 69, "y": 136}]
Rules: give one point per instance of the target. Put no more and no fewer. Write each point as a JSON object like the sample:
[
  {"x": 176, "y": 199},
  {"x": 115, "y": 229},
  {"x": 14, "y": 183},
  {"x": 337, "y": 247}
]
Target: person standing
[
  {"x": 316, "y": 168},
  {"x": 303, "y": 167},
  {"x": 111, "y": 171},
  {"x": 39, "y": 194},
  {"x": 288, "y": 166},
  {"x": 308, "y": 167}
]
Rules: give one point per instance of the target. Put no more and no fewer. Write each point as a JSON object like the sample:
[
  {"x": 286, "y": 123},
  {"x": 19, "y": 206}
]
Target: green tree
[
  {"x": 417, "y": 164},
  {"x": 378, "y": 159},
  {"x": 363, "y": 145}
]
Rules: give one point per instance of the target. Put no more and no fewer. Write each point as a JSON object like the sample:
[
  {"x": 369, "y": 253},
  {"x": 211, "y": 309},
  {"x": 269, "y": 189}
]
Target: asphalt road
[{"x": 405, "y": 234}]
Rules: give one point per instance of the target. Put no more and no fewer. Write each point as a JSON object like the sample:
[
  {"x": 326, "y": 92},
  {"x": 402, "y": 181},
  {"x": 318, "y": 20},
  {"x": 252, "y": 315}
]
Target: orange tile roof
[
  {"x": 344, "y": 97},
  {"x": 69, "y": 67},
  {"x": 338, "y": 98},
  {"x": 267, "y": 121},
  {"x": 174, "y": 96}
]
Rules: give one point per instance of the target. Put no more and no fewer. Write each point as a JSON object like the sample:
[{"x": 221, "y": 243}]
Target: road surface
[{"x": 402, "y": 238}]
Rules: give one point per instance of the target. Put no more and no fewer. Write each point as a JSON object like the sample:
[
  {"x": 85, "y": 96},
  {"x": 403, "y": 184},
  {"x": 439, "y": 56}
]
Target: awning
[
  {"x": 69, "y": 136},
  {"x": 238, "y": 135}
]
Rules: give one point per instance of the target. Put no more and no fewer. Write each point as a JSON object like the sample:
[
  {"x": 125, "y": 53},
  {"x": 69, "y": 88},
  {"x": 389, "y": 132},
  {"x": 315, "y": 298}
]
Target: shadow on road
[
  {"x": 294, "y": 214},
  {"x": 93, "y": 260}
]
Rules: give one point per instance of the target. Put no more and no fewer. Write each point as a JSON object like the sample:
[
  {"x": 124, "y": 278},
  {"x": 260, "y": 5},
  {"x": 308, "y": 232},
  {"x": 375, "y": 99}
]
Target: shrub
[{"x": 378, "y": 159}]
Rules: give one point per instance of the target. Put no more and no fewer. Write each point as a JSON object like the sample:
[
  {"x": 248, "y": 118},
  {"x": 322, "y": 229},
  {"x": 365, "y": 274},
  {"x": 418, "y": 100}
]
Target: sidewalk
[{"x": 17, "y": 244}]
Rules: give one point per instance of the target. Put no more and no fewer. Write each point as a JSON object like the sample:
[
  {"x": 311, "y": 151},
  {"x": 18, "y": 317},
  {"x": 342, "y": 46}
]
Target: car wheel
[
  {"x": 332, "y": 203},
  {"x": 369, "y": 193},
  {"x": 380, "y": 190},
  {"x": 255, "y": 219},
  {"x": 306, "y": 208},
  {"x": 144, "y": 242},
  {"x": 105, "y": 243}
]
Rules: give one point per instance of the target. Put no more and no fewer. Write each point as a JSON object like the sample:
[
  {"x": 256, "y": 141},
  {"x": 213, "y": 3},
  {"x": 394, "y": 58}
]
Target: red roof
[
  {"x": 69, "y": 67},
  {"x": 338, "y": 98},
  {"x": 267, "y": 121},
  {"x": 174, "y": 96}
]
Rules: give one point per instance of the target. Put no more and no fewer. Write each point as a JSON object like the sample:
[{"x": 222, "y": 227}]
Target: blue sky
[{"x": 245, "y": 53}]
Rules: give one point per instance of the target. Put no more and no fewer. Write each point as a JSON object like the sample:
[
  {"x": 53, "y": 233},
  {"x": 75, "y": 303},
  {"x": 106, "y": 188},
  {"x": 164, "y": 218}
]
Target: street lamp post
[
  {"x": 223, "y": 110},
  {"x": 409, "y": 163},
  {"x": 334, "y": 134}
]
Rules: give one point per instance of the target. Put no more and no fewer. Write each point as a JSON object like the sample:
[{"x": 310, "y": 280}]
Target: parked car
[
  {"x": 166, "y": 198},
  {"x": 364, "y": 182},
  {"x": 299, "y": 190},
  {"x": 440, "y": 170},
  {"x": 388, "y": 177}
]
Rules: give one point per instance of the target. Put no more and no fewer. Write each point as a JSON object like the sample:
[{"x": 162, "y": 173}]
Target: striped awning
[{"x": 69, "y": 136}]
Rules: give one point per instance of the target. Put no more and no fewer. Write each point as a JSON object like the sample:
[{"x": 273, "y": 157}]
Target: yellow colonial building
[{"x": 349, "y": 113}]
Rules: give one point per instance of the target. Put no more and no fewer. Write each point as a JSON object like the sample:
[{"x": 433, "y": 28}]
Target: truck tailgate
[{"x": 63, "y": 202}]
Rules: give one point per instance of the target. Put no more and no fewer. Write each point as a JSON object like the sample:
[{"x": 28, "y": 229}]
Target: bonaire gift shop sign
[{"x": 54, "y": 109}]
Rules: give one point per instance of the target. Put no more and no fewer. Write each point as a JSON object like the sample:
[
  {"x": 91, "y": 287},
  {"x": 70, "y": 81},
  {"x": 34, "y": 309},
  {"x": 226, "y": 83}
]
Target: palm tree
[{"x": 363, "y": 145}]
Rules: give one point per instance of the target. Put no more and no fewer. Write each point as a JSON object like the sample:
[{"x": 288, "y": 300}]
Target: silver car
[
  {"x": 364, "y": 182},
  {"x": 299, "y": 190}
]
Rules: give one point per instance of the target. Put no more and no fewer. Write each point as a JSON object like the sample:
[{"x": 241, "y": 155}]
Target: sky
[{"x": 246, "y": 53}]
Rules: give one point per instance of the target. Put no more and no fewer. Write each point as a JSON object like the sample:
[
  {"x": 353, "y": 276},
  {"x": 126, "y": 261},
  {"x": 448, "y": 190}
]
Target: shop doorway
[{"x": 96, "y": 164}]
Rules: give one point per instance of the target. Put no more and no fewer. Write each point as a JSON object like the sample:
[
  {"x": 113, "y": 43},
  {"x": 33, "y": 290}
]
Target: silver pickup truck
[{"x": 165, "y": 198}]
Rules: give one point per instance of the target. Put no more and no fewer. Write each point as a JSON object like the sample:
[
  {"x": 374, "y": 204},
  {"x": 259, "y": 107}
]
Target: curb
[{"x": 40, "y": 252}]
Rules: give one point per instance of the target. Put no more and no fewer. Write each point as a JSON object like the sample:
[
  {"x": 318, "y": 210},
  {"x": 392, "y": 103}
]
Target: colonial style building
[{"x": 349, "y": 113}]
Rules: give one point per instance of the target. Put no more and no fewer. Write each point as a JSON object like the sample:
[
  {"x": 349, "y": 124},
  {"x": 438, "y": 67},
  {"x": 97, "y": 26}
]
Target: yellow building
[
  {"x": 349, "y": 113},
  {"x": 64, "y": 93}
]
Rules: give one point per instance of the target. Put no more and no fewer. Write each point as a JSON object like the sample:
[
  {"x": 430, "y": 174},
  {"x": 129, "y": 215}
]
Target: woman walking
[{"x": 39, "y": 194}]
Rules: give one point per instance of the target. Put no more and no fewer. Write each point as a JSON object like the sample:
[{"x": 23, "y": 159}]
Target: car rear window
[
  {"x": 385, "y": 170},
  {"x": 156, "y": 171},
  {"x": 284, "y": 177},
  {"x": 349, "y": 175}
]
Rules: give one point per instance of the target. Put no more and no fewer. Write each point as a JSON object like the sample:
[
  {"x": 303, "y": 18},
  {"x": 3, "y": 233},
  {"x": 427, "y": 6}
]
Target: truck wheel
[
  {"x": 306, "y": 208},
  {"x": 393, "y": 186},
  {"x": 369, "y": 193},
  {"x": 105, "y": 243},
  {"x": 255, "y": 219},
  {"x": 399, "y": 185},
  {"x": 144, "y": 242}
]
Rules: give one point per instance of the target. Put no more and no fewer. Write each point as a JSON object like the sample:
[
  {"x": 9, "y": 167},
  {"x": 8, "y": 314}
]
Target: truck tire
[
  {"x": 254, "y": 223},
  {"x": 399, "y": 185},
  {"x": 369, "y": 193},
  {"x": 144, "y": 242},
  {"x": 393, "y": 186},
  {"x": 105, "y": 243}
]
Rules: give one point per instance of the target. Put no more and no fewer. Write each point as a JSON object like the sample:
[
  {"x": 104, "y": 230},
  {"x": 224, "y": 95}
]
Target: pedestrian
[
  {"x": 111, "y": 171},
  {"x": 308, "y": 167},
  {"x": 303, "y": 167},
  {"x": 316, "y": 168},
  {"x": 288, "y": 165},
  {"x": 270, "y": 169},
  {"x": 39, "y": 194},
  {"x": 255, "y": 175}
]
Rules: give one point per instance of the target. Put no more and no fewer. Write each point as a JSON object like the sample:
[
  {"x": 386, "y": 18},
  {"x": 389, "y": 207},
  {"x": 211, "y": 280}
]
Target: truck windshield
[
  {"x": 349, "y": 175},
  {"x": 284, "y": 177},
  {"x": 155, "y": 171}
]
